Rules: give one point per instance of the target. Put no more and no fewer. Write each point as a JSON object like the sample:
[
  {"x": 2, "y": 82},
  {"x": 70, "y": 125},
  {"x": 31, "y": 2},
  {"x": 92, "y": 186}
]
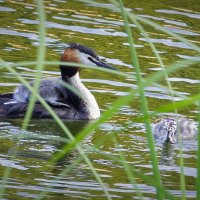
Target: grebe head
[
  {"x": 78, "y": 53},
  {"x": 171, "y": 127}
]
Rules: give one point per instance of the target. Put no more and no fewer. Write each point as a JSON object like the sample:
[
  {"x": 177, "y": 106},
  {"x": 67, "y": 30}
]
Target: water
[{"x": 93, "y": 24}]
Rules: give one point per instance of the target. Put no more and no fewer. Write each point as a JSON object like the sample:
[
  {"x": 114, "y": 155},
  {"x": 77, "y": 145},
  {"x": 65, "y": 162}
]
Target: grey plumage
[{"x": 50, "y": 90}]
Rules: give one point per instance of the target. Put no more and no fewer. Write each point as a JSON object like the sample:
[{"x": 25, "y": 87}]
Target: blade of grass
[
  {"x": 40, "y": 59},
  {"x": 144, "y": 105},
  {"x": 154, "y": 50},
  {"x": 64, "y": 128},
  {"x": 198, "y": 158},
  {"x": 41, "y": 51}
]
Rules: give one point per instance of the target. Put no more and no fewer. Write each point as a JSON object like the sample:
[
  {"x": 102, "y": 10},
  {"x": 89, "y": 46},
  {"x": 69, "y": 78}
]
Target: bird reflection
[{"x": 168, "y": 154}]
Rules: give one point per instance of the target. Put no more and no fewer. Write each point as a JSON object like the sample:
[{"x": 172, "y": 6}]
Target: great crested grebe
[
  {"x": 168, "y": 129},
  {"x": 64, "y": 102}
]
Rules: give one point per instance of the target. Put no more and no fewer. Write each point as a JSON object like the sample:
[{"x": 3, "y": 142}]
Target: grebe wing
[{"x": 61, "y": 98}]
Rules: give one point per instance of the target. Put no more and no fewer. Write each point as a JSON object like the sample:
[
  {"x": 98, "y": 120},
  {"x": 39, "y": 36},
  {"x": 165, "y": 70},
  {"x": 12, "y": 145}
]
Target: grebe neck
[{"x": 85, "y": 103}]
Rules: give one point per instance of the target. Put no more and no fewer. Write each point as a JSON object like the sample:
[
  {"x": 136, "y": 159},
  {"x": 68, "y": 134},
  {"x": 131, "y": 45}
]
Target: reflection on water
[
  {"x": 167, "y": 156},
  {"x": 191, "y": 15},
  {"x": 97, "y": 25}
]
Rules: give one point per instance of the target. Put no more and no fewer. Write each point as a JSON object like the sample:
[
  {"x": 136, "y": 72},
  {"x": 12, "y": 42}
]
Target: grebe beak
[{"x": 104, "y": 65}]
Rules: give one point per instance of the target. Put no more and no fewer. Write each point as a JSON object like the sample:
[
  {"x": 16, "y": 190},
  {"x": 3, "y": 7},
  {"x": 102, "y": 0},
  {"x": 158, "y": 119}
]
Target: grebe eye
[
  {"x": 90, "y": 58},
  {"x": 172, "y": 124}
]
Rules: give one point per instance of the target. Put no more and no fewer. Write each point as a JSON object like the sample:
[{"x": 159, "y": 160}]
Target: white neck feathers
[{"x": 88, "y": 99}]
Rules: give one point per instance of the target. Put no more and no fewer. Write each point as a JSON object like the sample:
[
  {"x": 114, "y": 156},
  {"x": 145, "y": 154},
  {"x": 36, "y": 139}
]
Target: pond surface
[{"x": 95, "y": 25}]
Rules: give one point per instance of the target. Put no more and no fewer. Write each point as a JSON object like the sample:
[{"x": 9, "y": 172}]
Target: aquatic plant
[{"x": 74, "y": 142}]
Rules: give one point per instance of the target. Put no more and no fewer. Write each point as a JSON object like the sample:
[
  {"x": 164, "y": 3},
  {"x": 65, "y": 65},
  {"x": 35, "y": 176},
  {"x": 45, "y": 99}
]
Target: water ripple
[
  {"x": 80, "y": 29},
  {"x": 191, "y": 15},
  {"x": 168, "y": 42},
  {"x": 6, "y": 9},
  {"x": 30, "y": 36},
  {"x": 169, "y": 21}
]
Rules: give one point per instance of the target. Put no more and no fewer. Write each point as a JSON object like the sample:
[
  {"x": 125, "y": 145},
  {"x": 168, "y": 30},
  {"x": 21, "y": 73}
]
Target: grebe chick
[
  {"x": 63, "y": 101},
  {"x": 168, "y": 129}
]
